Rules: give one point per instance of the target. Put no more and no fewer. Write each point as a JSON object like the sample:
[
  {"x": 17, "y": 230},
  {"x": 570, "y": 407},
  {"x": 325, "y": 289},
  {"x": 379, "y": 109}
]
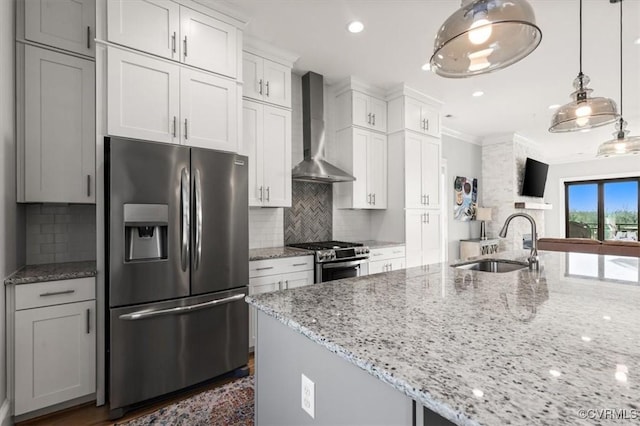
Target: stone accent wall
[{"x": 503, "y": 162}]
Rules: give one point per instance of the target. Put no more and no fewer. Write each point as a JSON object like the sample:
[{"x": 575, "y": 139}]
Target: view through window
[{"x": 603, "y": 209}]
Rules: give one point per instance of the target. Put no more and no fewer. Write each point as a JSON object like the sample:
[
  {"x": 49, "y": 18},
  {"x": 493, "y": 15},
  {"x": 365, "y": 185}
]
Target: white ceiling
[{"x": 398, "y": 40}]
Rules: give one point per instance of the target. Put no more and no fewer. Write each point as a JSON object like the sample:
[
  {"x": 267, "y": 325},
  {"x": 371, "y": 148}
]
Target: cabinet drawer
[
  {"x": 386, "y": 253},
  {"x": 54, "y": 292},
  {"x": 261, "y": 268}
]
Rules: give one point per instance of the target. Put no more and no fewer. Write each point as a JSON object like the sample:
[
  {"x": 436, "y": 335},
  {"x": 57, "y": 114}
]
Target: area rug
[{"x": 231, "y": 404}]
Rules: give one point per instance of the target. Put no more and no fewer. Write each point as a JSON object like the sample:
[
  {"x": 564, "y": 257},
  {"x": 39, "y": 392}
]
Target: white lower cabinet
[
  {"x": 54, "y": 343},
  {"x": 276, "y": 274},
  {"x": 386, "y": 259},
  {"x": 423, "y": 237}
]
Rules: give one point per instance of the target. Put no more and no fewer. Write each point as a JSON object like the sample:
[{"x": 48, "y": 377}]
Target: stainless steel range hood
[{"x": 314, "y": 168}]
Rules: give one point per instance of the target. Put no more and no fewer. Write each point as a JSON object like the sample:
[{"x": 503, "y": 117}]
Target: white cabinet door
[
  {"x": 378, "y": 110},
  {"x": 377, "y": 170},
  {"x": 55, "y": 355},
  {"x": 66, "y": 24},
  {"x": 207, "y": 43},
  {"x": 253, "y": 129},
  {"x": 413, "y": 237},
  {"x": 378, "y": 266},
  {"x": 362, "y": 196},
  {"x": 257, "y": 286},
  {"x": 59, "y": 119},
  {"x": 360, "y": 109},
  {"x": 431, "y": 172},
  {"x": 252, "y": 76},
  {"x": 396, "y": 264},
  {"x": 208, "y": 111},
  {"x": 277, "y": 157},
  {"x": 414, "y": 197},
  {"x": 431, "y": 121},
  {"x": 297, "y": 279},
  {"x": 431, "y": 238},
  {"x": 143, "y": 97},
  {"x": 277, "y": 84},
  {"x": 148, "y": 25},
  {"x": 413, "y": 115}
]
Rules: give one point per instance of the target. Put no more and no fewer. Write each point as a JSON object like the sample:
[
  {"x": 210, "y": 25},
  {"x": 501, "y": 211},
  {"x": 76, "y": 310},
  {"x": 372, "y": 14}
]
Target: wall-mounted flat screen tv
[{"x": 535, "y": 178}]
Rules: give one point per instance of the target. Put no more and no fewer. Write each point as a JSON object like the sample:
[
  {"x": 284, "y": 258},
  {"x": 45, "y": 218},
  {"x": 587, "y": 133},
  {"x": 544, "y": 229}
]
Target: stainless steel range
[{"x": 336, "y": 259}]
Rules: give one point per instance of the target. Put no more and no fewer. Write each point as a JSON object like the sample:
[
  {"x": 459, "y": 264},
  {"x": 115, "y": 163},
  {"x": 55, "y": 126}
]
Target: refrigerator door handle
[
  {"x": 180, "y": 309},
  {"x": 184, "y": 223},
  {"x": 198, "y": 224}
]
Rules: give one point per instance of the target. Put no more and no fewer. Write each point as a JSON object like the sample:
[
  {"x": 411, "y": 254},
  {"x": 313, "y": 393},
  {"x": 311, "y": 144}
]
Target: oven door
[{"x": 340, "y": 269}]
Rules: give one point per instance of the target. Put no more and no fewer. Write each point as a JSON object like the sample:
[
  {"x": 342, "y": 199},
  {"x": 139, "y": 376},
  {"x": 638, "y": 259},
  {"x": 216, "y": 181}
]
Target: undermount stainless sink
[{"x": 493, "y": 265}]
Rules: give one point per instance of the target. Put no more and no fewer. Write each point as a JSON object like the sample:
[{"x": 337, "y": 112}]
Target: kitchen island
[{"x": 438, "y": 344}]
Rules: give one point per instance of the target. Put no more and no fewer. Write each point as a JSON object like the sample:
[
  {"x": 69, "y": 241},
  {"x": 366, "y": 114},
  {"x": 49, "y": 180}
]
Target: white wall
[
  {"x": 463, "y": 159},
  {"x": 601, "y": 168},
  {"x": 11, "y": 216}
]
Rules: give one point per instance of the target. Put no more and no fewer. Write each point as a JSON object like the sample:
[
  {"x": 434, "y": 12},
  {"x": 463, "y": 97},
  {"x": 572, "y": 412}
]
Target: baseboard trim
[{"x": 5, "y": 413}]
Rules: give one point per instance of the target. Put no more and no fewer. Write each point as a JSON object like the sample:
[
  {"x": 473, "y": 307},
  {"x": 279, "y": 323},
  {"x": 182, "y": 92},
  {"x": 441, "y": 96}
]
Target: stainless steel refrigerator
[{"x": 177, "y": 267}]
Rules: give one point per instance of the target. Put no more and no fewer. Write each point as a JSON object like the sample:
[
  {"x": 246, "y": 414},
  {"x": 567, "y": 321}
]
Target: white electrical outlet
[{"x": 308, "y": 396}]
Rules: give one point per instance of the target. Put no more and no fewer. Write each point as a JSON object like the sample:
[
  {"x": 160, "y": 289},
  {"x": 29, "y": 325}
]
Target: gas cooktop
[
  {"x": 325, "y": 245},
  {"x": 331, "y": 251}
]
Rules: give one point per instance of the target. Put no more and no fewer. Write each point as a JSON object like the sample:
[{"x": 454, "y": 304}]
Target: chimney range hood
[{"x": 314, "y": 168}]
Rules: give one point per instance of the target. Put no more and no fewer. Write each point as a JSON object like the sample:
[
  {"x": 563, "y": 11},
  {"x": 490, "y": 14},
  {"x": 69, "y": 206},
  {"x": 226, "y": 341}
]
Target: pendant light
[
  {"x": 583, "y": 112},
  {"x": 621, "y": 144},
  {"x": 484, "y": 36}
]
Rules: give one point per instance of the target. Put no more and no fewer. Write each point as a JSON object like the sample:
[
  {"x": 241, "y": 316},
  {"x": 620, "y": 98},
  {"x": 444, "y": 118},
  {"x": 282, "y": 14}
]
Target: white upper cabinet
[
  {"x": 406, "y": 112},
  {"x": 65, "y": 24},
  {"x": 207, "y": 43},
  {"x": 143, "y": 97},
  {"x": 267, "y": 136},
  {"x": 266, "y": 80},
  {"x": 56, "y": 116},
  {"x": 149, "y": 25},
  {"x": 363, "y": 154},
  {"x": 360, "y": 109},
  {"x": 208, "y": 108},
  {"x": 422, "y": 171},
  {"x": 167, "y": 29}
]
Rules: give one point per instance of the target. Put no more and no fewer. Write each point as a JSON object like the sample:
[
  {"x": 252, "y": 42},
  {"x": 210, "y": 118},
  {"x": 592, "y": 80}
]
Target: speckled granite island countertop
[
  {"x": 52, "y": 272},
  {"x": 277, "y": 253},
  {"x": 484, "y": 348}
]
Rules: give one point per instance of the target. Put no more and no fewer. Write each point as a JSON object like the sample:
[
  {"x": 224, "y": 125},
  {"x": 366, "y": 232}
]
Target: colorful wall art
[{"x": 465, "y": 197}]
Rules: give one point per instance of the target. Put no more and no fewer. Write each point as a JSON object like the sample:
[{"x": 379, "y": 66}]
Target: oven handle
[{"x": 343, "y": 264}]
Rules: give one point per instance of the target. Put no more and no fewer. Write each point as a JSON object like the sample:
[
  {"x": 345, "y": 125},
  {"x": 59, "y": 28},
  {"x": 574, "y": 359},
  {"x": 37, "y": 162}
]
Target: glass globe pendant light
[
  {"x": 583, "y": 112},
  {"x": 484, "y": 36},
  {"x": 621, "y": 144}
]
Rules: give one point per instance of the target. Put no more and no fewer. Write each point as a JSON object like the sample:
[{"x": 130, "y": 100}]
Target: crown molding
[
  {"x": 461, "y": 136},
  {"x": 261, "y": 47}
]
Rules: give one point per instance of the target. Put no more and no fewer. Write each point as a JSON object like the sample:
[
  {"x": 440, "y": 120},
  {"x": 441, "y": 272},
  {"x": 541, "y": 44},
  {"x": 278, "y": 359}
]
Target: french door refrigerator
[{"x": 177, "y": 267}]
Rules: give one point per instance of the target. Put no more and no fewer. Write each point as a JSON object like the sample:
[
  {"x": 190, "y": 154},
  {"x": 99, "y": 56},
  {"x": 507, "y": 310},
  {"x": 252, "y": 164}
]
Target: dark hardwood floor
[{"x": 89, "y": 414}]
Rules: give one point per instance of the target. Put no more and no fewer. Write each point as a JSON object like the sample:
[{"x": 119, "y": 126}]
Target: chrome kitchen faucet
[{"x": 534, "y": 260}]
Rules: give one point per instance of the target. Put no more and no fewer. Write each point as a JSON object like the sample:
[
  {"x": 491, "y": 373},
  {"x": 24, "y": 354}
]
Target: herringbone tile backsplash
[{"x": 310, "y": 217}]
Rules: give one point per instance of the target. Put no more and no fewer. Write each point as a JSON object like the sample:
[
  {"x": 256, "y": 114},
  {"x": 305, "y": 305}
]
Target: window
[{"x": 603, "y": 209}]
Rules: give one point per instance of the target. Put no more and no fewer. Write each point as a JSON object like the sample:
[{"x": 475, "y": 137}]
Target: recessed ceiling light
[
  {"x": 355, "y": 27},
  {"x": 478, "y": 93},
  {"x": 554, "y": 106}
]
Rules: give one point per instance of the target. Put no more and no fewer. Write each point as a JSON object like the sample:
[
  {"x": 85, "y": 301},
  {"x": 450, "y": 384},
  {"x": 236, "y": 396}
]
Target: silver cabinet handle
[
  {"x": 374, "y": 199},
  {"x": 268, "y": 193},
  {"x": 175, "y": 125},
  {"x": 397, "y": 251},
  {"x": 173, "y": 42},
  {"x": 267, "y": 87},
  {"x": 377, "y": 254},
  {"x": 369, "y": 118},
  {"x": 422, "y": 127},
  {"x": 184, "y": 223},
  {"x": 185, "y": 46},
  {"x": 186, "y": 129},
  {"x": 368, "y": 198},
  {"x": 426, "y": 124},
  {"x": 88, "y": 185},
  {"x": 88, "y": 321},
  {"x": 374, "y": 119},
  {"x": 427, "y": 215},
  {"x": 299, "y": 264},
  {"x": 260, "y": 86},
  {"x": 428, "y": 200},
  {"x": 423, "y": 218},
  {"x": 57, "y": 293},
  {"x": 198, "y": 224},
  {"x": 180, "y": 309},
  {"x": 260, "y": 193},
  {"x": 264, "y": 269},
  {"x": 422, "y": 199},
  {"x": 88, "y": 37},
  {"x": 286, "y": 284}
]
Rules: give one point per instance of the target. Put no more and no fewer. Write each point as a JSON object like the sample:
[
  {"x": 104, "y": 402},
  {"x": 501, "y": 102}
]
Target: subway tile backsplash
[
  {"x": 266, "y": 227},
  {"x": 58, "y": 233}
]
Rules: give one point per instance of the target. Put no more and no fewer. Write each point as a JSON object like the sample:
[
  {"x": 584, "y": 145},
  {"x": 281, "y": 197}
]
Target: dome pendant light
[
  {"x": 621, "y": 144},
  {"x": 583, "y": 112},
  {"x": 484, "y": 36}
]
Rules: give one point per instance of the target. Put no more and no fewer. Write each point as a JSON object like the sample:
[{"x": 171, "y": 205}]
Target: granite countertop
[
  {"x": 52, "y": 272},
  {"x": 521, "y": 347},
  {"x": 277, "y": 253},
  {"x": 373, "y": 244}
]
